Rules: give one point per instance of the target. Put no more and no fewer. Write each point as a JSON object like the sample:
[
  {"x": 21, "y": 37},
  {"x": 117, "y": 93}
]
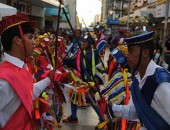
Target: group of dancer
[{"x": 41, "y": 72}]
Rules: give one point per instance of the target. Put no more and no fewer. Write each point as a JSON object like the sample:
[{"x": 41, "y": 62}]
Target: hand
[
  {"x": 110, "y": 103},
  {"x": 51, "y": 74},
  {"x": 62, "y": 55},
  {"x": 106, "y": 70},
  {"x": 109, "y": 108}
]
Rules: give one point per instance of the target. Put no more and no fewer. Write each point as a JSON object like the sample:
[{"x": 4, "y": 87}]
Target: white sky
[{"x": 87, "y": 9}]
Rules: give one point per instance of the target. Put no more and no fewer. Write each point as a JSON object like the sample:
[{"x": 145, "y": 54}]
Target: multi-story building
[
  {"x": 97, "y": 18},
  {"x": 144, "y": 8},
  {"x": 112, "y": 10},
  {"x": 103, "y": 10},
  {"x": 70, "y": 5},
  {"x": 154, "y": 10},
  {"x": 35, "y": 9},
  {"x": 45, "y": 12}
]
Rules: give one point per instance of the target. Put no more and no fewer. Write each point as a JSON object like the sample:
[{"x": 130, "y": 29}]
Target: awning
[
  {"x": 125, "y": 18},
  {"x": 116, "y": 22},
  {"x": 41, "y": 3},
  {"x": 164, "y": 21},
  {"x": 52, "y": 2},
  {"x": 112, "y": 21},
  {"x": 6, "y": 10},
  {"x": 54, "y": 12}
]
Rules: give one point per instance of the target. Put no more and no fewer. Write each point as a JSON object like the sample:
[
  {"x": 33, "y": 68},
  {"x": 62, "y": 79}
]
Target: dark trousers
[{"x": 74, "y": 108}]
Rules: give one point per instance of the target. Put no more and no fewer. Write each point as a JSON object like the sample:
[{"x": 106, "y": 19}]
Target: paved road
[{"x": 87, "y": 119}]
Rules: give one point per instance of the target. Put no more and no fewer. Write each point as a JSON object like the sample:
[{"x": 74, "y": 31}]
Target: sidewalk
[{"x": 88, "y": 119}]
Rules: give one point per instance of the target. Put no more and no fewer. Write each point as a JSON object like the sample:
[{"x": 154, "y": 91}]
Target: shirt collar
[
  {"x": 150, "y": 70},
  {"x": 13, "y": 60}
]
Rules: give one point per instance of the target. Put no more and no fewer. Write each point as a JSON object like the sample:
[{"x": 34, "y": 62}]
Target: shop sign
[
  {"x": 151, "y": 1},
  {"x": 112, "y": 22},
  {"x": 54, "y": 12},
  {"x": 122, "y": 22},
  {"x": 22, "y": 7},
  {"x": 160, "y": 11},
  {"x": 159, "y": 2}
]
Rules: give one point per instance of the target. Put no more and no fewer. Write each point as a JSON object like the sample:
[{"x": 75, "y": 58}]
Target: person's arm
[
  {"x": 9, "y": 102},
  {"x": 6, "y": 93},
  {"x": 69, "y": 62},
  {"x": 166, "y": 51},
  {"x": 161, "y": 97},
  {"x": 40, "y": 86},
  {"x": 125, "y": 111},
  {"x": 101, "y": 46}
]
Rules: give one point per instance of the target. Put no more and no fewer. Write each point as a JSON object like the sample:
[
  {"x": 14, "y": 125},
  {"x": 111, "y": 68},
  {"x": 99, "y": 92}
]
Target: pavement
[{"x": 88, "y": 119}]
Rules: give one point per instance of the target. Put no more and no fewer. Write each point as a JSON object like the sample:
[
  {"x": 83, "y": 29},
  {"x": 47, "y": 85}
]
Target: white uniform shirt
[
  {"x": 68, "y": 47},
  {"x": 9, "y": 101},
  {"x": 160, "y": 102}
]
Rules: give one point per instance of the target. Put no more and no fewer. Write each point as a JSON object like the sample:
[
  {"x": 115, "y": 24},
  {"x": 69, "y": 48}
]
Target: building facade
[
  {"x": 71, "y": 6},
  {"x": 112, "y": 10},
  {"x": 97, "y": 18},
  {"x": 45, "y": 12},
  {"x": 35, "y": 10},
  {"x": 155, "y": 11}
]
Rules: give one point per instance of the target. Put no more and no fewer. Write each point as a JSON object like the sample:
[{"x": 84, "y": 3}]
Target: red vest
[{"x": 22, "y": 83}]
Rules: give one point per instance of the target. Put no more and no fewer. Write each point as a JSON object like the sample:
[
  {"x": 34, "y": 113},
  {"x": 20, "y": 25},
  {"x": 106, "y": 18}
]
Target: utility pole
[
  {"x": 128, "y": 14},
  {"x": 165, "y": 28}
]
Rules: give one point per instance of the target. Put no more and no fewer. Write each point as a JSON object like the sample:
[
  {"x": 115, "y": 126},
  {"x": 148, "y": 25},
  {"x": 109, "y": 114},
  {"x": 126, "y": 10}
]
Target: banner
[
  {"x": 22, "y": 7},
  {"x": 122, "y": 22},
  {"x": 160, "y": 2}
]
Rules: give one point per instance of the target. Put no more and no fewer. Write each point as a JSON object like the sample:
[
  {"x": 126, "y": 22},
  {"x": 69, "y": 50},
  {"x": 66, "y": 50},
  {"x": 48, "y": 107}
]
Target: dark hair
[
  {"x": 150, "y": 45},
  {"x": 9, "y": 34},
  {"x": 66, "y": 34},
  {"x": 127, "y": 29},
  {"x": 79, "y": 30}
]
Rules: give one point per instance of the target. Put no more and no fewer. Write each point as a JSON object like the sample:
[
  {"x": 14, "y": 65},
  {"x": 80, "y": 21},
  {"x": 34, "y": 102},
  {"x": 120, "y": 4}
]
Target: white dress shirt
[
  {"x": 160, "y": 102},
  {"x": 68, "y": 47},
  {"x": 9, "y": 101}
]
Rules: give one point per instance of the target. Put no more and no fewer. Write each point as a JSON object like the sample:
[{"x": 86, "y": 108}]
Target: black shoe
[{"x": 70, "y": 119}]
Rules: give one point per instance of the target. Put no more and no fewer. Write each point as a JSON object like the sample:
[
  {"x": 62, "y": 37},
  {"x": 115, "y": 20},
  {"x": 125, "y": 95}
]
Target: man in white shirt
[
  {"x": 17, "y": 90},
  {"x": 150, "y": 89}
]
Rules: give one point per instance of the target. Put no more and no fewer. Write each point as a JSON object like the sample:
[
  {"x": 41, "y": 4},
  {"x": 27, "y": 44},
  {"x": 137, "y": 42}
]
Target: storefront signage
[
  {"x": 122, "y": 22},
  {"x": 22, "y": 7},
  {"x": 112, "y": 21},
  {"x": 159, "y": 2},
  {"x": 160, "y": 11},
  {"x": 151, "y": 1},
  {"x": 116, "y": 22}
]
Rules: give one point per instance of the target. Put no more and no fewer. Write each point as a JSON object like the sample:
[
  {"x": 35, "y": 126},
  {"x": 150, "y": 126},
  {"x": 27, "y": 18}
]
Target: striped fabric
[{"x": 115, "y": 89}]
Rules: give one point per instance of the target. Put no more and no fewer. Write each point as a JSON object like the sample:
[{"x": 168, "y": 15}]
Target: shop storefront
[
  {"x": 34, "y": 12},
  {"x": 34, "y": 9},
  {"x": 115, "y": 25},
  {"x": 51, "y": 18},
  {"x": 160, "y": 15}
]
